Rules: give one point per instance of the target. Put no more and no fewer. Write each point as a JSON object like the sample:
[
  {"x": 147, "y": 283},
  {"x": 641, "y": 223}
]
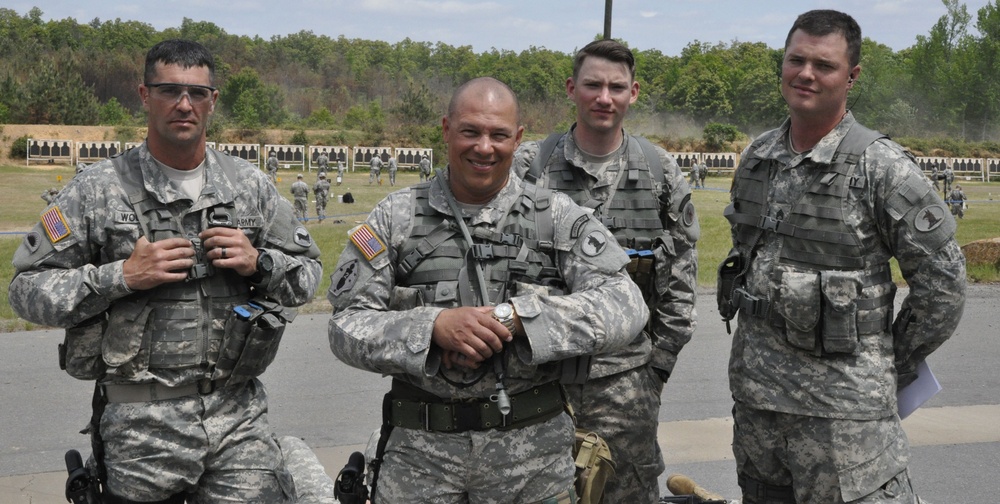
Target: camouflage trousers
[
  {"x": 624, "y": 410},
  {"x": 321, "y": 207},
  {"x": 532, "y": 464},
  {"x": 822, "y": 460},
  {"x": 215, "y": 447},
  {"x": 300, "y": 208}
]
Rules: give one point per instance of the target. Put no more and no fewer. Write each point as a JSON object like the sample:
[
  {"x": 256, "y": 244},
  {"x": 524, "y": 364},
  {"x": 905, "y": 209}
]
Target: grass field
[{"x": 21, "y": 205}]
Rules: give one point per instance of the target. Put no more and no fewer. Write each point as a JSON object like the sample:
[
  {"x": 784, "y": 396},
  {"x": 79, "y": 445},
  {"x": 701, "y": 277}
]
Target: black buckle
[
  {"x": 769, "y": 223},
  {"x": 206, "y": 386},
  {"x": 482, "y": 250}
]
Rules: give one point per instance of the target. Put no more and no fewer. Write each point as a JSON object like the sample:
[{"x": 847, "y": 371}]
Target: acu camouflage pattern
[
  {"x": 823, "y": 460},
  {"x": 300, "y": 191},
  {"x": 673, "y": 322},
  {"x": 890, "y": 218},
  {"x": 214, "y": 447},
  {"x": 367, "y": 332},
  {"x": 76, "y": 280},
  {"x": 622, "y": 398},
  {"x": 312, "y": 484},
  {"x": 531, "y": 465},
  {"x": 322, "y": 191}
]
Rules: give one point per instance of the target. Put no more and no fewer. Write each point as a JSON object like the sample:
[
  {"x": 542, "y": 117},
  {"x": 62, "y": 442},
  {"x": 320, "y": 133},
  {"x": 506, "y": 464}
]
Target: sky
[{"x": 560, "y": 25}]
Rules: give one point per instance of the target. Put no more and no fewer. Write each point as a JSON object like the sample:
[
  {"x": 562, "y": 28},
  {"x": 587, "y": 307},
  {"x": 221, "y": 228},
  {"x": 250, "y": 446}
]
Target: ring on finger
[{"x": 223, "y": 252}]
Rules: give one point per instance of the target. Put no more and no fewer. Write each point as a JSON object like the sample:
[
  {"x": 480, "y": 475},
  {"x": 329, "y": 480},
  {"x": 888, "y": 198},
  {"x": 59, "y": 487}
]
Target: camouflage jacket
[
  {"x": 673, "y": 314},
  {"x": 65, "y": 278},
  {"x": 601, "y": 311},
  {"x": 893, "y": 212}
]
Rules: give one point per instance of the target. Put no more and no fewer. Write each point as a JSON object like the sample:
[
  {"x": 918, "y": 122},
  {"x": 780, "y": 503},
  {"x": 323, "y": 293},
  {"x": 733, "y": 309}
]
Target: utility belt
[
  {"x": 764, "y": 492},
  {"x": 147, "y": 392},
  {"x": 410, "y": 407}
]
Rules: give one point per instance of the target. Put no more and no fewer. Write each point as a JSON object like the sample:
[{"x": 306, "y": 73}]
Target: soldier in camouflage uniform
[
  {"x": 300, "y": 191},
  {"x": 393, "y": 168},
  {"x": 425, "y": 168},
  {"x": 409, "y": 301},
  {"x": 341, "y": 168},
  {"x": 144, "y": 259},
  {"x": 375, "y": 172},
  {"x": 322, "y": 162},
  {"x": 820, "y": 205},
  {"x": 647, "y": 205},
  {"x": 272, "y": 167},
  {"x": 321, "y": 189}
]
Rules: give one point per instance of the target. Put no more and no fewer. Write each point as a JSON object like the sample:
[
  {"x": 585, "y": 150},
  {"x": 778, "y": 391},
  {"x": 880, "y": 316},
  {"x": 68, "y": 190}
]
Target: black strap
[
  {"x": 97, "y": 404},
  {"x": 375, "y": 464}
]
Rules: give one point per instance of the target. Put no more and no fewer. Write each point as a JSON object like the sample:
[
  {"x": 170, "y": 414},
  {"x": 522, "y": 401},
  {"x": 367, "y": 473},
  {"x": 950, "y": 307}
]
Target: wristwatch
[
  {"x": 265, "y": 263},
  {"x": 504, "y": 313}
]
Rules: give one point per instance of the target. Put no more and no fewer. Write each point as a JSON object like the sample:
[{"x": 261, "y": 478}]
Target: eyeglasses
[{"x": 172, "y": 92}]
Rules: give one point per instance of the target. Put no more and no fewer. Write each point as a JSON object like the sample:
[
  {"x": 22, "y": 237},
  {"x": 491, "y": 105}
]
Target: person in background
[{"x": 639, "y": 192}]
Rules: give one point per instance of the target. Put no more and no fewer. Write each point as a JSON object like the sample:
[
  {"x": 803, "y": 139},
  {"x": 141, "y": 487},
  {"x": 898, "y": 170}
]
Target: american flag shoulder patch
[
  {"x": 55, "y": 225},
  {"x": 366, "y": 240}
]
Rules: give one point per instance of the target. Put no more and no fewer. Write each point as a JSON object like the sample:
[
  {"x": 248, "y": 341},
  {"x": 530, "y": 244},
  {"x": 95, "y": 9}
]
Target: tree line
[{"x": 943, "y": 92}]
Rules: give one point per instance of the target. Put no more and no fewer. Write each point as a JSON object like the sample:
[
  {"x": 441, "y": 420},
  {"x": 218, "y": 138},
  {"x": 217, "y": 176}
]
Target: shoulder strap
[
  {"x": 652, "y": 158},
  {"x": 545, "y": 150},
  {"x": 130, "y": 174},
  {"x": 854, "y": 143}
]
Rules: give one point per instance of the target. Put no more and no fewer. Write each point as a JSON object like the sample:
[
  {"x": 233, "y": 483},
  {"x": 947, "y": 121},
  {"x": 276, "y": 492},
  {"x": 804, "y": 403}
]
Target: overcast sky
[{"x": 562, "y": 25}]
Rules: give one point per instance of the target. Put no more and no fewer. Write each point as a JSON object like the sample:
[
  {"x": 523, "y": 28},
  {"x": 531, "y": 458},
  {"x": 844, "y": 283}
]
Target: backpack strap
[{"x": 545, "y": 150}]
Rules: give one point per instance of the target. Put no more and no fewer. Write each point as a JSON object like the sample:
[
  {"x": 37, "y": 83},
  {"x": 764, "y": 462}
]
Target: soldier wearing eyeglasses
[{"x": 157, "y": 261}]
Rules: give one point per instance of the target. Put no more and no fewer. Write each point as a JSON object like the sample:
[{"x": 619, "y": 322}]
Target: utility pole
[{"x": 607, "y": 19}]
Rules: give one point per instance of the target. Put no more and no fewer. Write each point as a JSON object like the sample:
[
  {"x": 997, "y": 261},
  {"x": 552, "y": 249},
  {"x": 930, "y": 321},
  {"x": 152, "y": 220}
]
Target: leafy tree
[
  {"x": 251, "y": 102},
  {"x": 113, "y": 113},
  {"x": 416, "y": 106},
  {"x": 717, "y": 135}
]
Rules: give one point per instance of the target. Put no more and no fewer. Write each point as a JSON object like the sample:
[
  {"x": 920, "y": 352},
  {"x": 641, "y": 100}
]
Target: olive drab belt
[
  {"x": 411, "y": 408},
  {"x": 146, "y": 392}
]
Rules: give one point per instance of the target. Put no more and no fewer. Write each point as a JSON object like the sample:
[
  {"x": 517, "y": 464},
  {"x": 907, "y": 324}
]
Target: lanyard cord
[{"x": 499, "y": 360}]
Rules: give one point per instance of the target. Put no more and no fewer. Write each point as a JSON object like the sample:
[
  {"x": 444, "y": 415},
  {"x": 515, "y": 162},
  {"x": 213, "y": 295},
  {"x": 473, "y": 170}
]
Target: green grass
[{"x": 22, "y": 205}]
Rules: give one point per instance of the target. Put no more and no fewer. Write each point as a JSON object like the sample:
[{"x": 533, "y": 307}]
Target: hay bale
[{"x": 983, "y": 252}]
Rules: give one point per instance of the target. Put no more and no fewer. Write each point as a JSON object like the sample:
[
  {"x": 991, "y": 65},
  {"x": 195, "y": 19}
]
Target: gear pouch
[
  {"x": 799, "y": 304},
  {"x": 841, "y": 290},
  {"x": 126, "y": 330},
  {"x": 80, "y": 352}
]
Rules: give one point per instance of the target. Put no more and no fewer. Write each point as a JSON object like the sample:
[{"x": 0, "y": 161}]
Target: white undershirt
[{"x": 187, "y": 182}]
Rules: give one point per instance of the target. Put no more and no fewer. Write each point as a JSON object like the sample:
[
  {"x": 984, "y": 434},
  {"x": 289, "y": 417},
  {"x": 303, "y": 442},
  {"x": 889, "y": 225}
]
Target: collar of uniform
[
  {"x": 575, "y": 156},
  {"x": 490, "y": 212},
  {"x": 826, "y": 148},
  {"x": 217, "y": 188}
]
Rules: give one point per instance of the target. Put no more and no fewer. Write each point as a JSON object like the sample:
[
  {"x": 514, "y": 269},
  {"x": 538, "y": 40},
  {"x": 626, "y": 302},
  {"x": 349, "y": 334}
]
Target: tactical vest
[
  {"x": 437, "y": 261},
  {"x": 821, "y": 252},
  {"x": 632, "y": 212},
  {"x": 175, "y": 325}
]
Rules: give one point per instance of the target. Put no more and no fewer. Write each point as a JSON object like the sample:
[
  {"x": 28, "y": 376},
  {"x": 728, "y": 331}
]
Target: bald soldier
[{"x": 471, "y": 290}]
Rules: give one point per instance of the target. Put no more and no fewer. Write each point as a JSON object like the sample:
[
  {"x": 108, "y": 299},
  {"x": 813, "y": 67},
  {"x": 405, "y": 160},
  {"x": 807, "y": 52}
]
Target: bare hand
[
  {"x": 470, "y": 333},
  {"x": 159, "y": 262},
  {"x": 230, "y": 248}
]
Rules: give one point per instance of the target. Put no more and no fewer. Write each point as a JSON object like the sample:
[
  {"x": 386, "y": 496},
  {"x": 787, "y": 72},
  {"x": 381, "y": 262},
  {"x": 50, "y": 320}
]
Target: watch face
[
  {"x": 503, "y": 311},
  {"x": 265, "y": 261}
]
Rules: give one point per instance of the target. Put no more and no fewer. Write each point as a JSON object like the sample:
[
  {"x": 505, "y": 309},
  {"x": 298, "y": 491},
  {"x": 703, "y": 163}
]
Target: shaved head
[{"x": 482, "y": 86}]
